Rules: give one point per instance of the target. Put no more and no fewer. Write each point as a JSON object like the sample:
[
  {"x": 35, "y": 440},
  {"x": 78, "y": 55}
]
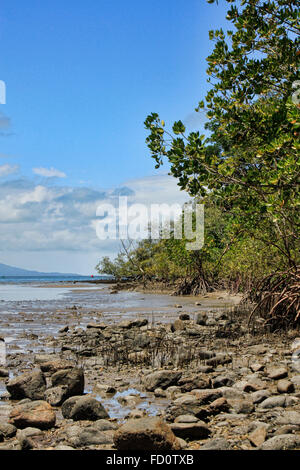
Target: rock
[
  {"x": 191, "y": 431},
  {"x": 296, "y": 380},
  {"x": 258, "y": 436},
  {"x": 205, "y": 396},
  {"x": 72, "y": 378},
  {"x": 29, "y": 385},
  {"x": 160, "y": 393},
  {"x": 243, "y": 406},
  {"x": 38, "y": 414},
  {"x": 145, "y": 434},
  {"x": 285, "y": 386},
  {"x": 88, "y": 435},
  {"x": 64, "y": 329},
  {"x": 278, "y": 400},
  {"x": 178, "y": 325},
  {"x": 201, "y": 318},
  {"x": 55, "y": 396},
  {"x": 25, "y": 437},
  {"x": 194, "y": 382},
  {"x": 277, "y": 373},
  {"x": 7, "y": 430},
  {"x": 219, "y": 359},
  {"x": 161, "y": 379},
  {"x": 186, "y": 419},
  {"x": 100, "y": 326},
  {"x": 184, "y": 317},
  {"x": 222, "y": 381},
  {"x": 219, "y": 405},
  {"x": 128, "y": 324},
  {"x": 136, "y": 414},
  {"x": 54, "y": 366},
  {"x": 40, "y": 358},
  {"x": 282, "y": 442},
  {"x": 286, "y": 429},
  {"x": 257, "y": 367},
  {"x": 4, "y": 372},
  {"x": 289, "y": 417},
  {"x": 204, "y": 354},
  {"x": 83, "y": 408},
  {"x": 260, "y": 396},
  {"x": 217, "y": 443}
]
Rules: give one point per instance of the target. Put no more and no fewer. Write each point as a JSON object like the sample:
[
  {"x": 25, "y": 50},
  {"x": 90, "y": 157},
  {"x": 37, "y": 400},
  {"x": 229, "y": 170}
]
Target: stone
[
  {"x": 217, "y": 443},
  {"x": 260, "y": 396},
  {"x": 55, "y": 396},
  {"x": 186, "y": 419},
  {"x": 286, "y": 429},
  {"x": 7, "y": 430},
  {"x": 204, "y": 354},
  {"x": 285, "y": 386},
  {"x": 219, "y": 359},
  {"x": 201, "y": 318},
  {"x": 29, "y": 385},
  {"x": 178, "y": 325},
  {"x": 145, "y": 434},
  {"x": 88, "y": 435},
  {"x": 273, "y": 402},
  {"x": 276, "y": 373},
  {"x": 4, "y": 373},
  {"x": 72, "y": 378},
  {"x": 282, "y": 442},
  {"x": 289, "y": 417},
  {"x": 258, "y": 436},
  {"x": 243, "y": 406},
  {"x": 38, "y": 414},
  {"x": 53, "y": 366},
  {"x": 191, "y": 431},
  {"x": 161, "y": 379},
  {"x": 184, "y": 317},
  {"x": 257, "y": 367},
  {"x": 83, "y": 408},
  {"x": 222, "y": 381}
]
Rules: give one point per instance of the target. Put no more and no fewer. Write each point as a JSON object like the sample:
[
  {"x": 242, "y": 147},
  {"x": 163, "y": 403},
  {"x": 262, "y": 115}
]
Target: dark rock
[
  {"x": 191, "y": 431},
  {"x": 145, "y": 434},
  {"x": 29, "y": 385},
  {"x": 83, "y": 408},
  {"x": 55, "y": 396},
  {"x": 161, "y": 379},
  {"x": 72, "y": 378}
]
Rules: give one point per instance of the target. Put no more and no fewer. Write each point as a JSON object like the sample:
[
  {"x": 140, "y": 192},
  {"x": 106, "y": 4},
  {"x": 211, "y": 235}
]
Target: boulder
[
  {"x": 83, "y": 408},
  {"x": 38, "y": 414},
  {"x": 56, "y": 395},
  {"x": 145, "y": 434},
  {"x": 282, "y": 442},
  {"x": 29, "y": 385},
  {"x": 191, "y": 431},
  {"x": 72, "y": 378},
  {"x": 161, "y": 379}
]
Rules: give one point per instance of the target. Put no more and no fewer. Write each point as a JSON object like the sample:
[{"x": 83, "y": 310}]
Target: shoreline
[{"x": 220, "y": 373}]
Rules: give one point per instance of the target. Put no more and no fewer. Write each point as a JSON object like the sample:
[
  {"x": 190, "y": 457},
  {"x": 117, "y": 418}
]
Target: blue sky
[{"x": 81, "y": 77}]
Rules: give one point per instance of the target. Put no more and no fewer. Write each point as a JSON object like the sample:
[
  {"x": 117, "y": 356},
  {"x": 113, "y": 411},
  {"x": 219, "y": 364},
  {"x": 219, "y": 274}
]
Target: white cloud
[
  {"x": 7, "y": 169},
  {"x": 37, "y": 219},
  {"x": 49, "y": 172}
]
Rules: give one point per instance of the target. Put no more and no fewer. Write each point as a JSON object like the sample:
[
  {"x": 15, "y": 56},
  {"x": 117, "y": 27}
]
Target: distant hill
[{"x": 6, "y": 270}]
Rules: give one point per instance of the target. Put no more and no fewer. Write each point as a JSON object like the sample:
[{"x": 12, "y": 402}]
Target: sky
[{"x": 81, "y": 77}]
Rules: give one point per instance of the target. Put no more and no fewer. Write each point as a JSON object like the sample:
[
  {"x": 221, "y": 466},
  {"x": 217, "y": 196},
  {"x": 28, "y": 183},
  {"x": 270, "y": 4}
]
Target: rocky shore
[{"x": 202, "y": 382}]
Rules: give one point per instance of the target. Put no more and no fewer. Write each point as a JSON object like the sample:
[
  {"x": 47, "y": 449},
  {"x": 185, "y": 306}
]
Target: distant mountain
[{"x": 6, "y": 270}]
